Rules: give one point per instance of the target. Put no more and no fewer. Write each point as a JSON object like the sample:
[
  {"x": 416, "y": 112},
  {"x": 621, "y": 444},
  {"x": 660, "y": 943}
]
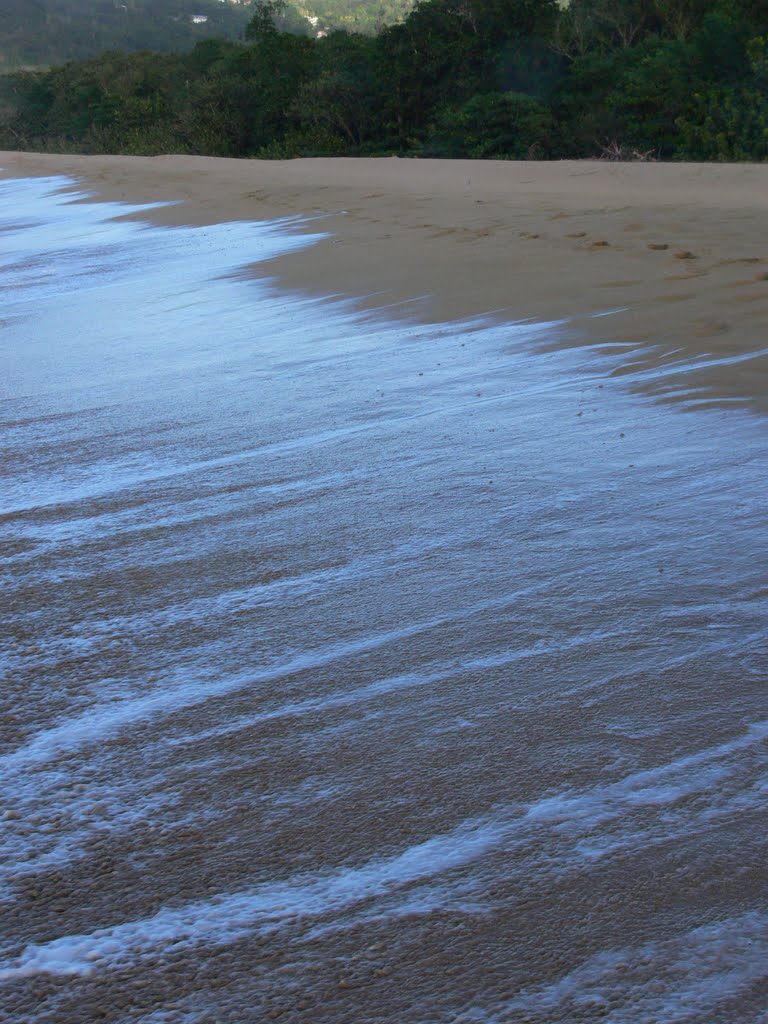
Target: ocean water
[{"x": 356, "y": 669}]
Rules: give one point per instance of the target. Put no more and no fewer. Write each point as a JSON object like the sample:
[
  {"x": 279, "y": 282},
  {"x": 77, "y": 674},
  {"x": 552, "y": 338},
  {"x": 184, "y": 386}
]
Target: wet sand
[
  {"x": 373, "y": 667},
  {"x": 681, "y": 248}
]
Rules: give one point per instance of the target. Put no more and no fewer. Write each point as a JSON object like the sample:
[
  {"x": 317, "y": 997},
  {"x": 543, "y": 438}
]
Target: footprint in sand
[
  {"x": 684, "y": 254},
  {"x": 708, "y": 328},
  {"x": 687, "y": 276},
  {"x": 577, "y": 234},
  {"x": 742, "y": 282},
  {"x": 658, "y": 246}
]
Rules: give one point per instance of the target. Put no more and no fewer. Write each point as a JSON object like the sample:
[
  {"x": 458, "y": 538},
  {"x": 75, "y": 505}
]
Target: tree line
[{"x": 516, "y": 79}]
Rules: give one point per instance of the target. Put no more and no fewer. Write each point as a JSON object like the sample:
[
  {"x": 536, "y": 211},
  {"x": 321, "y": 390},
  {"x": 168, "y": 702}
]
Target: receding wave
[{"x": 356, "y": 662}]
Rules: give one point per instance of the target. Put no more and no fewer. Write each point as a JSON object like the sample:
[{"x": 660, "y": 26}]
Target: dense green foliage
[
  {"x": 366, "y": 16},
  {"x": 672, "y": 79}
]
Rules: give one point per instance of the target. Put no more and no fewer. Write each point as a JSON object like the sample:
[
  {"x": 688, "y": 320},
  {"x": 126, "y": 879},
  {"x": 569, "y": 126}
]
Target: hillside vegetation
[
  {"x": 39, "y": 33},
  {"x": 664, "y": 79},
  {"x": 368, "y": 16}
]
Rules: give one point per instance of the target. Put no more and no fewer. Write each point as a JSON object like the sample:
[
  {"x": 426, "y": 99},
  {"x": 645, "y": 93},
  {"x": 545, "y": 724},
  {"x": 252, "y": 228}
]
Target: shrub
[{"x": 492, "y": 125}]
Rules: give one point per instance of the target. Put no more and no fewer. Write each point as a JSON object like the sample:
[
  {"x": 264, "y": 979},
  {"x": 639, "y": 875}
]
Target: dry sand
[{"x": 680, "y": 248}]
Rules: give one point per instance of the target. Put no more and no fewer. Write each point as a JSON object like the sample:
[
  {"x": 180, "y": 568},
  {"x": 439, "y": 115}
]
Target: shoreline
[
  {"x": 356, "y": 663},
  {"x": 679, "y": 248}
]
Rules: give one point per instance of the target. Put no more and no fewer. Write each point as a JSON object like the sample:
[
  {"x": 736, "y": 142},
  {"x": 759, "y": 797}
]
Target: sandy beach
[
  {"x": 679, "y": 249},
  {"x": 393, "y": 660}
]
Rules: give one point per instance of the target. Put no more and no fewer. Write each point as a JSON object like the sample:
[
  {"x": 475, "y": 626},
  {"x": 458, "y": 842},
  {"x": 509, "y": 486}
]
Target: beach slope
[{"x": 677, "y": 250}]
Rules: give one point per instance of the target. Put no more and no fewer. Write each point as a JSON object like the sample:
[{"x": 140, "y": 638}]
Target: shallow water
[{"x": 357, "y": 670}]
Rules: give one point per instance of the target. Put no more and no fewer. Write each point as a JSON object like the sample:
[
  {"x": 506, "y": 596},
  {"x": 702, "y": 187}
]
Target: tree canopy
[{"x": 475, "y": 78}]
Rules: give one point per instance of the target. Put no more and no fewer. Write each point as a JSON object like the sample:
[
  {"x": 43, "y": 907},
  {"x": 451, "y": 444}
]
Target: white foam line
[
  {"x": 663, "y": 664},
  {"x": 649, "y": 787},
  {"x": 673, "y": 980},
  {"x": 86, "y": 637},
  {"x": 227, "y": 917},
  {"x": 130, "y": 481},
  {"x": 106, "y": 720},
  {"x": 693, "y": 364},
  {"x": 44, "y": 793},
  {"x": 148, "y": 516},
  {"x": 598, "y": 808},
  {"x": 391, "y": 685},
  {"x": 223, "y": 919}
]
